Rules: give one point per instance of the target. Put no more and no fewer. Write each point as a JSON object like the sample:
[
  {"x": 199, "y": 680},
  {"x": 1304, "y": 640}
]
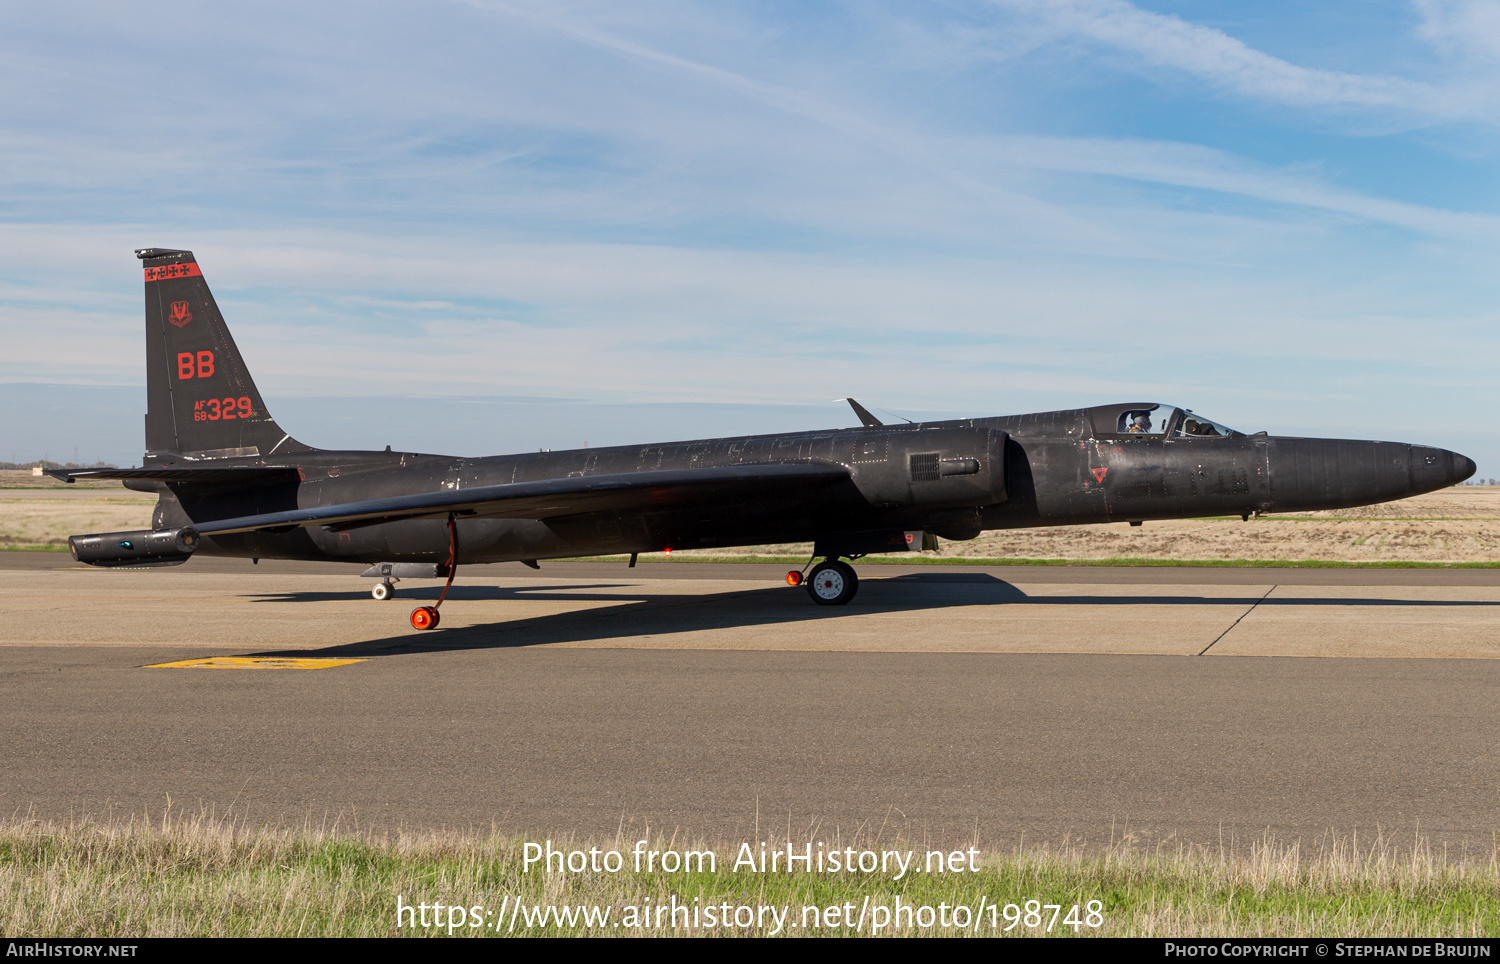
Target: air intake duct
[{"x": 147, "y": 547}]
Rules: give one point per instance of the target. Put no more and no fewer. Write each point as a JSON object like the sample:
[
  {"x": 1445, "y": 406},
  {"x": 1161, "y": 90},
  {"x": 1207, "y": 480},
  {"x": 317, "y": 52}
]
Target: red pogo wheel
[
  {"x": 794, "y": 578},
  {"x": 424, "y": 617}
]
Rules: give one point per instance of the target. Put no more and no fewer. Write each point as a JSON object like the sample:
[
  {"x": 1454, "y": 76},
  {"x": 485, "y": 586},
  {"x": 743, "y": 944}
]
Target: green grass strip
[{"x": 201, "y": 877}]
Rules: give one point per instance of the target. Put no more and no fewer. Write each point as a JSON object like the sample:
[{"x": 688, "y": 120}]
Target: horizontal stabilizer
[
  {"x": 247, "y": 473},
  {"x": 552, "y": 498}
]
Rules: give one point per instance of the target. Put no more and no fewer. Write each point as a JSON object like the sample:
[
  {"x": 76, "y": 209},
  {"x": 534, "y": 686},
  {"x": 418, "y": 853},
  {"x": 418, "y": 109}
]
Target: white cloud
[
  {"x": 659, "y": 323},
  {"x": 1468, "y": 26},
  {"x": 1164, "y": 40},
  {"x": 1189, "y": 165}
]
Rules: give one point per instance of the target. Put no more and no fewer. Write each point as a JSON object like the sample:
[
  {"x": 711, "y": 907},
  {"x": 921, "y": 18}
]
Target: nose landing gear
[{"x": 832, "y": 583}]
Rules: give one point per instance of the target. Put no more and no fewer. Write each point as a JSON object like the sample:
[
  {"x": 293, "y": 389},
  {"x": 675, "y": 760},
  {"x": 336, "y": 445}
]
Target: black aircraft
[{"x": 231, "y": 482}]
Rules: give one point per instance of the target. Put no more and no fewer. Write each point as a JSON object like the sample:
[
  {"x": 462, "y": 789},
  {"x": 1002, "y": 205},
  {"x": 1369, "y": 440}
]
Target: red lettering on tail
[
  {"x": 169, "y": 271},
  {"x": 185, "y": 361}
]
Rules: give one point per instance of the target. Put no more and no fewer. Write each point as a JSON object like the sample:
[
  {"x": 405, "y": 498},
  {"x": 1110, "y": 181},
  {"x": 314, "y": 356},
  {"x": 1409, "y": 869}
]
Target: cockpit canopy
[{"x": 1152, "y": 418}]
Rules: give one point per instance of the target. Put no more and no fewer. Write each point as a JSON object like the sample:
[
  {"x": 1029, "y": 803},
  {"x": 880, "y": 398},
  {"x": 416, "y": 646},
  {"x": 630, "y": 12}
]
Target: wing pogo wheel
[{"x": 424, "y": 617}]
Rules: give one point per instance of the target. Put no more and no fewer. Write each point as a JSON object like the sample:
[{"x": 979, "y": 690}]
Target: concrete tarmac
[{"x": 945, "y": 703}]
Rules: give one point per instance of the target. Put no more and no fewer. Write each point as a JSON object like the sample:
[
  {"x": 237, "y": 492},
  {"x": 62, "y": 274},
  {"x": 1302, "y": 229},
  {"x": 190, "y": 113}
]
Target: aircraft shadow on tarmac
[{"x": 647, "y": 613}]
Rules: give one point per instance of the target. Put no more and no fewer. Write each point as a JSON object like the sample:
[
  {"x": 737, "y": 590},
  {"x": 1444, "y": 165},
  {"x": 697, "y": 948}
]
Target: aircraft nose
[{"x": 1438, "y": 468}]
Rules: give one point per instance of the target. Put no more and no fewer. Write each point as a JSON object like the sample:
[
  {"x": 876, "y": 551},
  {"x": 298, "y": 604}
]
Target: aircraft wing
[{"x": 558, "y": 497}]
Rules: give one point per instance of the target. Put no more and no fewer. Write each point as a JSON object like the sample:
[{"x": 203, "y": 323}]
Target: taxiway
[{"x": 945, "y": 703}]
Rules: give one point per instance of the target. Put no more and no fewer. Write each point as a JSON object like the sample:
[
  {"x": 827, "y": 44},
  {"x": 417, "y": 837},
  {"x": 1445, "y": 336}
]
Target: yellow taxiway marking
[{"x": 255, "y": 662}]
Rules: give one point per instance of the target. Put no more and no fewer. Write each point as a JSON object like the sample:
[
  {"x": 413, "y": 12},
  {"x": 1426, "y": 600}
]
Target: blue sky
[{"x": 603, "y": 222}]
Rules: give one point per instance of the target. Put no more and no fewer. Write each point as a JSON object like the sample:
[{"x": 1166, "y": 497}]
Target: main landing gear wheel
[
  {"x": 383, "y": 591},
  {"x": 832, "y": 583},
  {"x": 425, "y": 617}
]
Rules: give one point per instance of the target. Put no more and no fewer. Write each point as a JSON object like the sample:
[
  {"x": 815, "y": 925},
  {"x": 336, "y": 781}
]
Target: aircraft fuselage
[{"x": 1011, "y": 472}]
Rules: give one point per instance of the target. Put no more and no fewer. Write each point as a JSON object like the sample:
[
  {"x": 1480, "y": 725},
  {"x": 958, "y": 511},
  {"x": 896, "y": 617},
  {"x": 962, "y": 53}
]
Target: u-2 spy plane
[{"x": 231, "y": 482}]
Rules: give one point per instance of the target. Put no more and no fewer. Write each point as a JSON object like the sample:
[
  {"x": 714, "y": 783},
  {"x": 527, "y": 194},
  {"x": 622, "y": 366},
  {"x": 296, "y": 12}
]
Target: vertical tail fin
[{"x": 201, "y": 401}]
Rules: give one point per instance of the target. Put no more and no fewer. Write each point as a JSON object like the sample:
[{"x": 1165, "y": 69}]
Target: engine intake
[{"x": 146, "y": 547}]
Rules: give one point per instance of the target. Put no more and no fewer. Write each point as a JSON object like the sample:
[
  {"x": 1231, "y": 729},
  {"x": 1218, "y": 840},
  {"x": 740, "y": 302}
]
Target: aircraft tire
[
  {"x": 383, "y": 591},
  {"x": 832, "y": 583},
  {"x": 424, "y": 617}
]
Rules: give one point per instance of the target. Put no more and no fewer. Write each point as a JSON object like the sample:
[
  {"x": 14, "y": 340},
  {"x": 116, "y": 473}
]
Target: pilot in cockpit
[{"x": 1141, "y": 423}]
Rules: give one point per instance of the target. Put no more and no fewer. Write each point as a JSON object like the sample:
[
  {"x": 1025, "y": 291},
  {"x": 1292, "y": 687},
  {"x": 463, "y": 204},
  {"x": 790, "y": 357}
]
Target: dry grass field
[
  {"x": 1460, "y": 524},
  {"x": 41, "y": 512},
  {"x": 1457, "y": 525},
  {"x": 23, "y": 479}
]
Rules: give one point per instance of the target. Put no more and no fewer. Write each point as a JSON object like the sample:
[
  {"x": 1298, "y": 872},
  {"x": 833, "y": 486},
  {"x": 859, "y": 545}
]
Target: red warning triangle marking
[{"x": 1099, "y": 474}]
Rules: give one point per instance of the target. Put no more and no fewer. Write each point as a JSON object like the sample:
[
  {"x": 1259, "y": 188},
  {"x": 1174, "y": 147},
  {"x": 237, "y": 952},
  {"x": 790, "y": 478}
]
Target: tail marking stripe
[{"x": 167, "y": 272}]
